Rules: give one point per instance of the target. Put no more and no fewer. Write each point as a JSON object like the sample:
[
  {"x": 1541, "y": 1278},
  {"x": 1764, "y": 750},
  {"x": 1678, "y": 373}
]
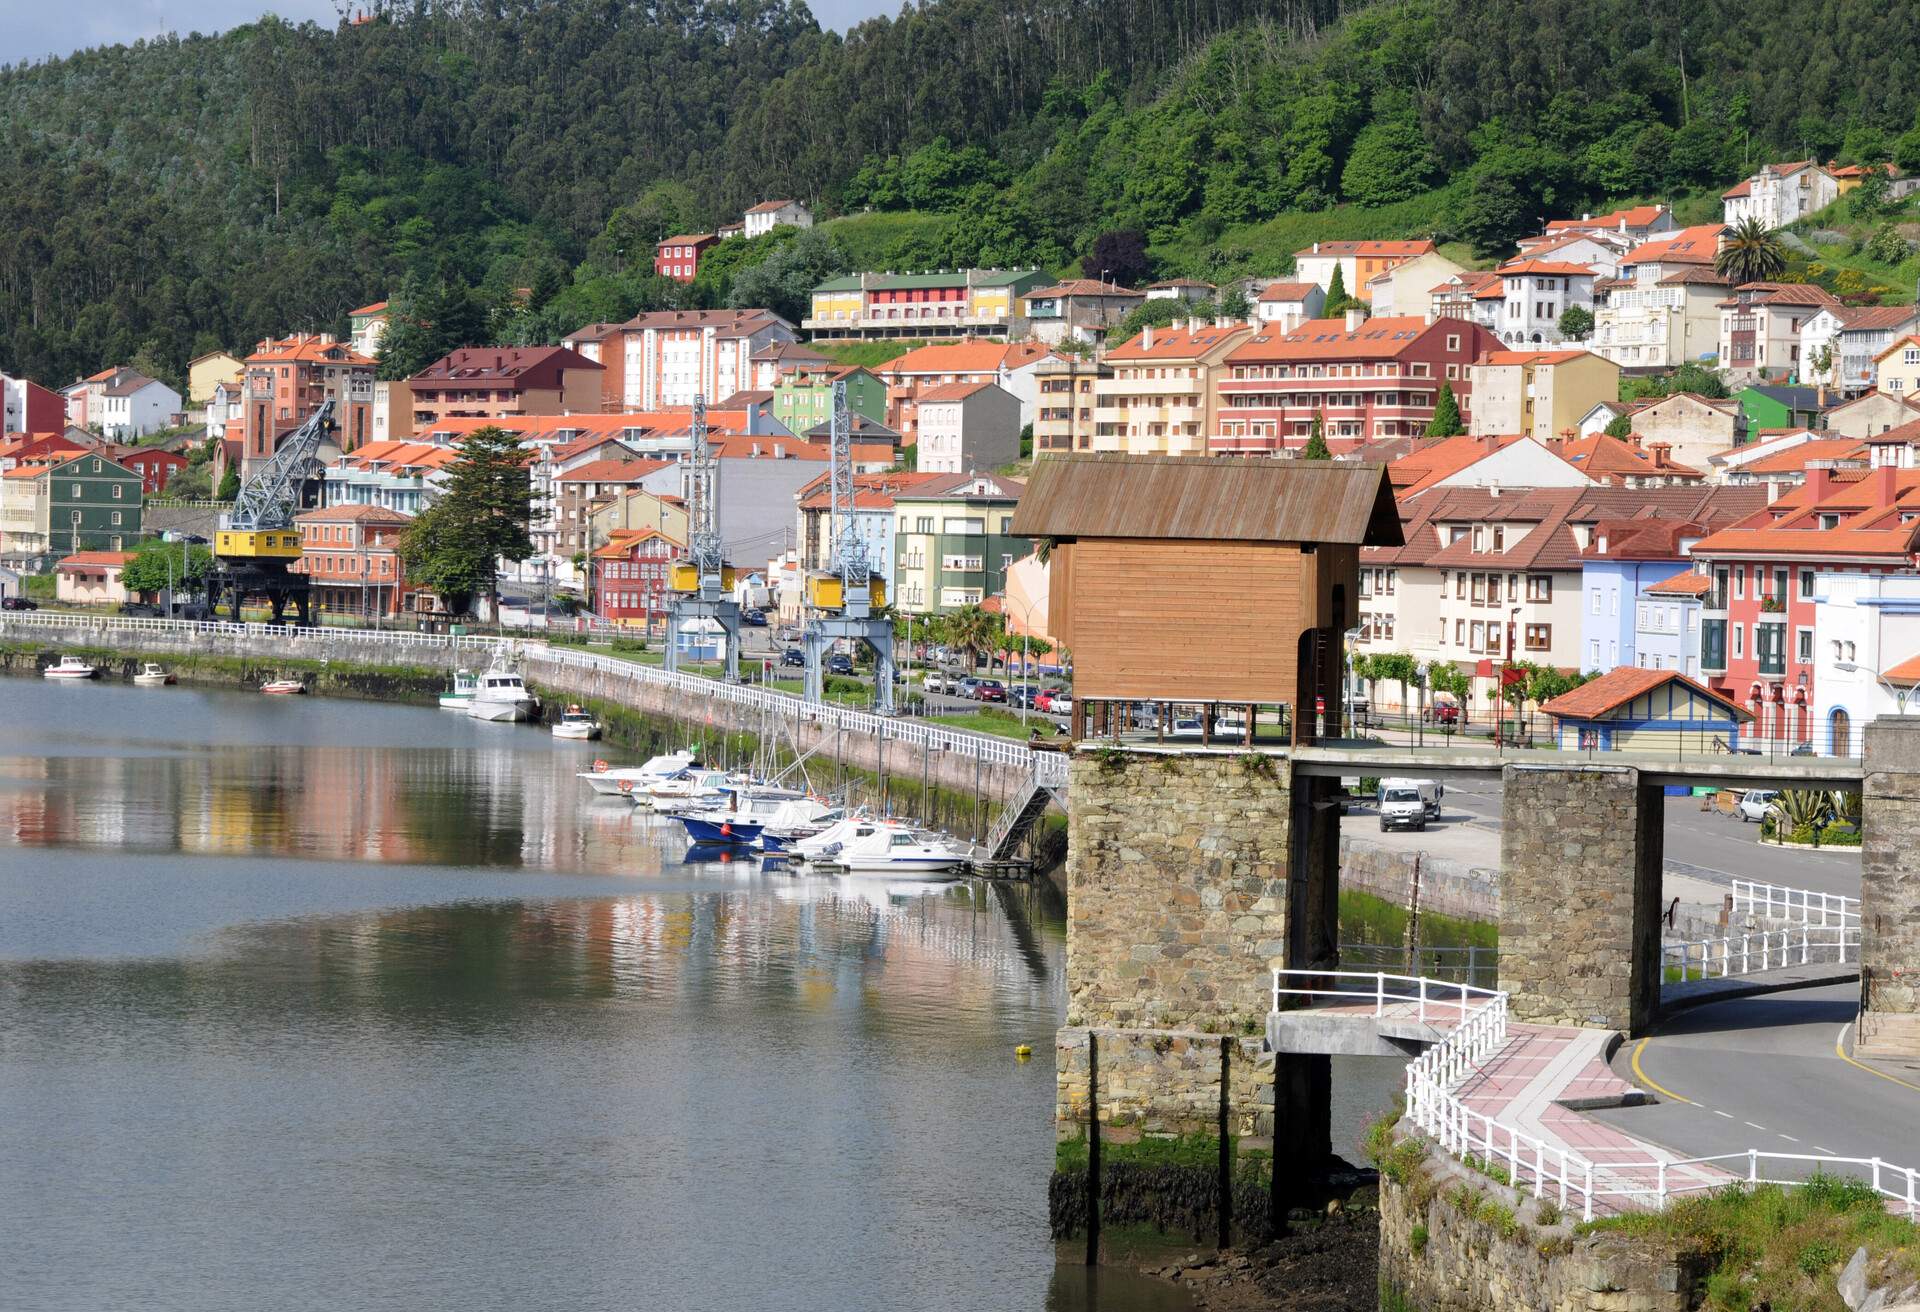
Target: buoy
[
  {"x": 599, "y": 767},
  {"x": 1023, "y": 1052},
  {"x": 626, "y": 785}
]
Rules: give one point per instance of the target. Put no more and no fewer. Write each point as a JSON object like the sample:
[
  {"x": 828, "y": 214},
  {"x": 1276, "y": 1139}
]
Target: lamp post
[
  {"x": 1026, "y": 662},
  {"x": 1500, "y": 683},
  {"x": 1351, "y": 654}
]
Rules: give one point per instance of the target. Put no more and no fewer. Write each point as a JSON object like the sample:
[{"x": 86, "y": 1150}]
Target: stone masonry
[
  {"x": 1580, "y": 896},
  {"x": 1890, "y": 890},
  {"x": 1176, "y": 888},
  {"x": 1163, "y": 1082}
]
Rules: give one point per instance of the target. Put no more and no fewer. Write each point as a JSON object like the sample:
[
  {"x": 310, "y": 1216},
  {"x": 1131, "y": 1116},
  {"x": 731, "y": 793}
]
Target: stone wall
[
  {"x": 1447, "y": 888},
  {"x": 1579, "y": 911},
  {"x": 1163, "y": 1083},
  {"x": 344, "y": 645},
  {"x": 1890, "y": 890},
  {"x": 1177, "y": 888},
  {"x": 1436, "y": 1257}
]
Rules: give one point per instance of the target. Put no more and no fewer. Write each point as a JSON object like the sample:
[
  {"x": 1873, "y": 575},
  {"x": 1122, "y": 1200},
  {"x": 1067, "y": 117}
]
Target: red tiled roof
[
  {"x": 768, "y": 206},
  {"x": 1687, "y": 583},
  {"x": 1617, "y": 687},
  {"x": 1696, "y": 245},
  {"x": 1637, "y": 217},
  {"x": 1794, "y": 458},
  {"x": 1383, "y": 338},
  {"x": 1441, "y": 458},
  {"x": 963, "y": 358},
  {"x": 1744, "y": 187},
  {"x": 1552, "y": 268},
  {"x": 623, "y": 540},
  {"x": 516, "y": 367},
  {"x": 870, "y": 491},
  {"x": 376, "y": 308},
  {"x": 353, "y": 514},
  {"x": 686, "y": 239},
  {"x": 1288, "y": 291},
  {"x": 1178, "y": 343},
  {"x": 1907, "y": 671},
  {"x": 1599, "y": 456},
  {"x": 1531, "y": 357},
  {"x": 113, "y": 559},
  {"x": 612, "y": 471},
  {"x": 307, "y": 349},
  {"x": 1085, "y": 287},
  {"x": 1374, "y": 249},
  {"x": 949, "y": 392}
]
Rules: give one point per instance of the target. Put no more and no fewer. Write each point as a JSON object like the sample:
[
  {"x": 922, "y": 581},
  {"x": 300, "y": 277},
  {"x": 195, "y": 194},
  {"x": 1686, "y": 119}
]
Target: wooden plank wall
[{"x": 1188, "y": 621}]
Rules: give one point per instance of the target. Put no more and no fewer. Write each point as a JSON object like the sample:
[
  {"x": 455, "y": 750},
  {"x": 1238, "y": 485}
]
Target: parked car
[
  {"x": 1021, "y": 694},
  {"x": 1756, "y": 804},
  {"x": 1043, "y": 700},
  {"x": 990, "y": 690},
  {"x": 839, "y": 663},
  {"x": 18, "y": 603},
  {"x": 1430, "y": 791},
  {"x": 1062, "y": 703},
  {"x": 142, "y": 610},
  {"x": 1445, "y": 713},
  {"x": 793, "y": 656},
  {"x": 755, "y": 618},
  {"x": 964, "y": 687},
  {"x": 1402, "y": 807}
]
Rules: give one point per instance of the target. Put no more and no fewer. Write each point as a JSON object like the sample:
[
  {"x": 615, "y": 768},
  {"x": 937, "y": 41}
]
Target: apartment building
[
  {"x": 1535, "y": 292},
  {"x": 1359, "y": 262},
  {"x": 947, "y": 303},
  {"x": 1541, "y": 394},
  {"x": 965, "y": 427},
  {"x": 802, "y": 399},
  {"x": 351, "y": 555},
  {"x": 1664, "y": 308},
  {"x": 1161, "y": 398},
  {"x": 27, "y": 407},
  {"x": 1011, "y": 365},
  {"x": 367, "y": 327},
  {"x": 1475, "y": 296},
  {"x": 671, "y": 356},
  {"x": 1848, "y": 338},
  {"x": 1365, "y": 379},
  {"x": 585, "y": 488},
  {"x": 1760, "y": 327},
  {"x": 1779, "y": 194},
  {"x": 1078, "y": 310},
  {"x": 287, "y": 379},
  {"x": 954, "y": 542},
  {"x": 873, "y": 518},
  {"x": 1063, "y": 419},
  {"x": 627, "y": 576},
  {"x": 678, "y": 257},
  {"x": 494, "y": 383}
]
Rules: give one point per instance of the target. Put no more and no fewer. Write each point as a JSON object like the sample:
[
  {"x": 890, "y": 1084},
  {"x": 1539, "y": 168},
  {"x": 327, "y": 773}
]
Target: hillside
[{"x": 507, "y": 166}]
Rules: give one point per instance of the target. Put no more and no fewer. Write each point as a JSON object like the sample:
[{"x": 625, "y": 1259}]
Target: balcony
[{"x": 1714, "y": 602}]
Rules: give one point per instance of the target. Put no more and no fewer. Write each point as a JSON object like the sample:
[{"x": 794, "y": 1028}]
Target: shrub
[
  {"x": 1547, "y": 1212},
  {"x": 1819, "y": 1257},
  {"x": 1417, "y": 1240}
]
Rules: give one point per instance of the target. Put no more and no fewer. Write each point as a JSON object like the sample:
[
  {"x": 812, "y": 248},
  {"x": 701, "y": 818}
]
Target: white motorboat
[
  {"x": 637, "y": 778},
  {"x": 821, "y": 846},
  {"x": 152, "y": 675},
  {"x": 69, "y": 667},
  {"x": 899, "y": 850},
  {"x": 576, "y": 723},
  {"x": 460, "y": 695},
  {"x": 693, "y": 789},
  {"x": 800, "y": 820},
  {"x": 502, "y": 696},
  {"x": 283, "y": 687},
  {"x": 745, "y": 814}
]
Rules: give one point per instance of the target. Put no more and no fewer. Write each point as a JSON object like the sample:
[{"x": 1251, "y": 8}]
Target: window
[
  {"x": 76, "y": 491},
  {"x": 1806, "y": 585},
  {"x": 1804, "y": 646},
  {"x": 1453, "y": 341},
  {"x": 1539, "y": 637},
  {"x": 1593, "y": 597},
  {"x": 1499, "y": 538},
  {"x": 1459, "y": 632},
  {"x": 116, "y": 519},
  {"x": 1740, "y": 581},
  {"x": 1392, "y": 577},
  {"x": 1593, "y": 654},
  {"x": 117, "y": 490},
  {"x": 1540, "y": 588},
  {"x": 1739, "y": 640},
  {"x": 1479, "y": 635}
]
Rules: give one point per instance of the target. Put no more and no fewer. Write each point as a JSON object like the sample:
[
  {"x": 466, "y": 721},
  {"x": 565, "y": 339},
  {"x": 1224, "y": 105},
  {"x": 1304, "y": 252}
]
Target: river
[{"x": 317, "y": 1003}]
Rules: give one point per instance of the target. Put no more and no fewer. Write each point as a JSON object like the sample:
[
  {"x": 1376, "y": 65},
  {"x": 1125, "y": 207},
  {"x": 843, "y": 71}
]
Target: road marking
[
  {"x": 1648, "y": 1080},
  {"x": 1840, "y": 1051},
  {"x": 1717, "y": 1112},
  {"x": 1751, "y": 1126},
  {"x": 1828, "y": 1151},
  {"x": 1789, "y": 1138}
]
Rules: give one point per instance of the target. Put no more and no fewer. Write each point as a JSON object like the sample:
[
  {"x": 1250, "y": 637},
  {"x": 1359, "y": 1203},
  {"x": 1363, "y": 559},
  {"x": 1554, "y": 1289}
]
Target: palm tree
[
  {"x": 973, "y": 631},
  {"x": 1752, "y": 252}
]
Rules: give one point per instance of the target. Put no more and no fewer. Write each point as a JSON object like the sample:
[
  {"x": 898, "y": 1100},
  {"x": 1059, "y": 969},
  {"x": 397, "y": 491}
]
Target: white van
[{"x": 1430, "y": 792}]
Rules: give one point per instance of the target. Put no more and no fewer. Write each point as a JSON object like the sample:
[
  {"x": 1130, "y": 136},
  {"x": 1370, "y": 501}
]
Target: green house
[
  {"x": 93, "y": 504},
  {"x": 804, "y": 399},
  {"x": 1767, "y": 406},
  {"x": 954, "y": 542}
]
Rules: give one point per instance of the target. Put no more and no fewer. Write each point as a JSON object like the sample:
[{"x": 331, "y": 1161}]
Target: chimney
[
  {"x": 1660, "y": 453},
  {"x": 1316, "y": 248},
  {"x": 1819, "y": 484},
  {"x": 1355, "y": 317},
  {"x": 1634, "y": 440},
  {"x": 1146, "y": 337},
  {"x": 1884, "y": 492}
]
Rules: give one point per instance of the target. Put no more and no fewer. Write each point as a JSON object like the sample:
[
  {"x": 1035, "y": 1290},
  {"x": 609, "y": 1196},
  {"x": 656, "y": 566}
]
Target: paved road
[
  {"x": 1764, "y": 1073},
  {"x": 1711, "y": 846}
]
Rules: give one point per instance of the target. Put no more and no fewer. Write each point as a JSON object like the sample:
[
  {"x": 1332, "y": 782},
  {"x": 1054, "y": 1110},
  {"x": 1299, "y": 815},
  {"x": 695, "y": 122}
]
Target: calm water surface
[{"x": 320, "y": 1003}]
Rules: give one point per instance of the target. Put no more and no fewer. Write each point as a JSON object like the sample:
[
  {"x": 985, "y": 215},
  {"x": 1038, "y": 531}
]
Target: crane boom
[{"x": 272, "y": 495}]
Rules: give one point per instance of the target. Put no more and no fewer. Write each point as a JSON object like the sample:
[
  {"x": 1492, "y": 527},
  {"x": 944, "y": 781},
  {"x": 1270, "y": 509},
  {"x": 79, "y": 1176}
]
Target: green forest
[{"x": 502, "y": 168}]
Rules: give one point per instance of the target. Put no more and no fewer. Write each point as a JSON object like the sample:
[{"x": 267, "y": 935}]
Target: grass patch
[
  {"x": 1368, "y": 919},
  {"x": 1267, "y": 248},
  {"x": 999, "y": 723},
  {"x": 864, "y": 355},
  {"x": 1779, "y": 1247}
]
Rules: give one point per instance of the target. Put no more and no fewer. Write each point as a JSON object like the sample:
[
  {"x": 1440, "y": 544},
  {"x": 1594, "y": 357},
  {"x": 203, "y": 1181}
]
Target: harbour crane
[
  {"x": 256, "y": 542},
  {"x": 848, "y": 601},
  {"x": 701, "y": 579}
]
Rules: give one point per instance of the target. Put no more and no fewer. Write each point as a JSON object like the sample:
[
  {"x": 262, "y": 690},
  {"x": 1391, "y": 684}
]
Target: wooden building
[{"x": 1205, "y": 579}]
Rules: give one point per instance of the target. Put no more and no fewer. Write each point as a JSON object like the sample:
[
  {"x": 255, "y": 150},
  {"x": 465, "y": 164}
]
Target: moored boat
[
  {"x": 637, "y": 778},
  {"x": 69, "y": 667},
  {"x": 152, "y": 675},
  {"x": 576, "y": 723},
  {"x": 899, "y": 850},
  {"x": 748, "y": 813},
  {"x": 283, "y": 687},
  {"x": 502, "y": 695},
  {"x": 460, "y": 695}
]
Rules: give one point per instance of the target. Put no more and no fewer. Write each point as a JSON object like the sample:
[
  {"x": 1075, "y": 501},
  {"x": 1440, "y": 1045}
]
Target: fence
[
  {"x": 28, "y": 621},
  {"x": 1471, "y": 964},
  {"x": 1766, "y": 949},
  {"x": 1796, "y": 906}
]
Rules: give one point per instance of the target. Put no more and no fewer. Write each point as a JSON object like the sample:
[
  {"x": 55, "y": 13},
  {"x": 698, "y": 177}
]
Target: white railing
[
  {"x": 22, "y": 621},
  {"x": 1532, "y": 1164},
  {"x": 1764, "y": 949},
  {"x": 1798, "y": 906}
]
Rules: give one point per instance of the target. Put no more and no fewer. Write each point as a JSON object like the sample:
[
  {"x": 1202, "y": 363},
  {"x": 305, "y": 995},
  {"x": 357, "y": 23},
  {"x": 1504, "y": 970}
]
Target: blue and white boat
[{"x": 748, "y": 812}]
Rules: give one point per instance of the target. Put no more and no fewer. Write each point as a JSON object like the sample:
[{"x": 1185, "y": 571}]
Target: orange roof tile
[
  {"x": 81, "y": 558},
  {"x": 1795, "y": 458},
  {"x": 1619, "y": 686},
  {"x": 1382, "y": 338},
  {"x": 1179, "y": 344},
  {"x": 1531, "y": 357},
  {"x": 1373, "y": 249},
  {"x": 1288, "y": 291},
  {"x": 612, "y": 471},
  {"x": 308, "y": 349},
  {"x": 1696, "y": 245},
  {"x": 964, "y": 358},
  {"x": 1687, "y": 583},
  {"x": 1550, "y": 268},
  {"x": 1638, "y": 216},
  {"x": 376, "y": 308}
]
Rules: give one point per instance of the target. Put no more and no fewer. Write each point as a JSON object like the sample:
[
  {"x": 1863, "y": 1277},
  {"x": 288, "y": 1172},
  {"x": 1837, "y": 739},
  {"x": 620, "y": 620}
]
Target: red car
[
  {"x": 990, "y": 690},
  {"x": 1043, "y": 700}
]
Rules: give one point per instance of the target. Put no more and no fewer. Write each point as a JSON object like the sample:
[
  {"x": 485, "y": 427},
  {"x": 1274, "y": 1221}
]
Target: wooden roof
[{"x": 1208, "y": 498}]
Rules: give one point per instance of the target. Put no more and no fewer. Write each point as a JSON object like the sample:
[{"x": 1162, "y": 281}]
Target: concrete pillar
[
  {"x": 1890, "y": 890},
  {"x": 1580, "y": 852}
]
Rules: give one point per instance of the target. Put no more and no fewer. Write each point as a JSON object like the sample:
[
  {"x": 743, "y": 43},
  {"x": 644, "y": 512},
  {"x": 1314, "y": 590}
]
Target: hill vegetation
[{"x": 506, "y": 167}]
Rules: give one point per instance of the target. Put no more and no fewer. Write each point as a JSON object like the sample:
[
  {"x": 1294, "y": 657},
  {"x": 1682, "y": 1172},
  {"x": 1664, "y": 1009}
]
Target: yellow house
[
  {"x": 838, "y": 301},
  {"x": 1540, "y": 393},
  {"x": 1896, "y": 370},
  {"x": 206, "y": 372}
]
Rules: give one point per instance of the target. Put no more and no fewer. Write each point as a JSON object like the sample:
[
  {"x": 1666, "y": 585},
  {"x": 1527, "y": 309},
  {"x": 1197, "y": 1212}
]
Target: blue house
[
  {"x": 1622, "y": 559},
  {"x": 1631, "y": 709},
  {"x": 1666, "y": 623}
]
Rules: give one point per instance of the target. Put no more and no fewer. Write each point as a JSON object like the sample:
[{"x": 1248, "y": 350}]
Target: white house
[
  {"x": 1866, "y": 636},
  {"x": 1664, "y": 309},
  {"x": 1289, "y": 304},
  {"x": 132, "y": 405},
  {"x": 967, "y": 426},
  {"x": 1780, "y": 193},
  {"x": 1536, "y": 293},
  {"x": 1600, "y": 251},
  {"x": 1850, "y": 336},
  {"x": 1760, "y": 325},
  {"x": 769, "y": 214},
  {"x": 1406, "y": 288}
]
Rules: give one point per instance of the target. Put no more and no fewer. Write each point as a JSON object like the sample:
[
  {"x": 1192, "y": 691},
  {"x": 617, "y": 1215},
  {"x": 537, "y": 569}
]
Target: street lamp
[
  {"x": 1352, "y": 654},
  {"x": 1026, "y": 662},
  {"x": 1898, "y": 693}
]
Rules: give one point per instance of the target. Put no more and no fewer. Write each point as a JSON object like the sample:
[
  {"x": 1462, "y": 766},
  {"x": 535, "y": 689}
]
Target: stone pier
[
  {"x": 1580, "y": 852},
  {"x": 1890, "y": 891}
]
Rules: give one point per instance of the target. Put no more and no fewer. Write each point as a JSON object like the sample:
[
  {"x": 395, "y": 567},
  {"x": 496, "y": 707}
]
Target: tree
[
  {"x": 1234, "y": 303},
  {"x": 157, "y": 563},
  {"x": 974, "y": 631},
  {"x": 1337, "y": 298},
  {"x": 1399, "y": 666},
  {"x": 1620, "y": 426},
  {"x": 229, "y": 484},
  {"x": 194, "y": 483},
  {"x": 1118, "y": 256},
  {"x": 784, "y": 281},
  {"x": 455, "y": 545},
  {"x": 1316, "y": 447},
  {"x": 1752, "y": 253},
  {"x": 1576, "y": 321},
  {"x": 1887, "y": 245},
  {"x": 1446, "y": 415}
]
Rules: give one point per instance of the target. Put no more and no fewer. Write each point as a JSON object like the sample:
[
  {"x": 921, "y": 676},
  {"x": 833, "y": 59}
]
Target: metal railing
[
  {"x": 25, "y": 621},
  {"x": 1898, "y": 1183},
  {"x": 1432, "y": 999},
  {"x": 1765, "y": 949},
  {"x": 1470, "y": 964},
  {"x": 1797, "y": 906}
]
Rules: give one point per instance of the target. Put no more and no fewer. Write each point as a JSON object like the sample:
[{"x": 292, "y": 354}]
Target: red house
[
  {"x": 678, "y": 258},
  {"x": 1365, "y": 378},
  {"x": 154, "y": 465},
  {"x": 628, "y": 580}
]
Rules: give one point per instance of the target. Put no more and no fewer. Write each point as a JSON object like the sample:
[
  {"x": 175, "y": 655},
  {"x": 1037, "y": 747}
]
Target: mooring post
[
  {"x": 1093, "y": 1148},
  {"x": 1225, "y": 1209}
]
